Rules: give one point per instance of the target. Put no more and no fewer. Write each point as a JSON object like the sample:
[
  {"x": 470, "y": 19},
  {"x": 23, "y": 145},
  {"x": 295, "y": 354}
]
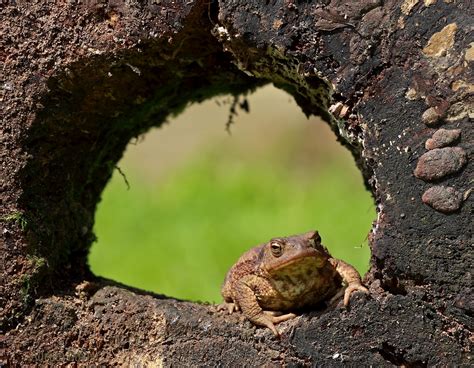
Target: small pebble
[
  {"x": 440, "y": 162},
  {"x": 442, "y": 199},
  {"x": 442, "y": 138},
  {"x": 430, "y": 117}
]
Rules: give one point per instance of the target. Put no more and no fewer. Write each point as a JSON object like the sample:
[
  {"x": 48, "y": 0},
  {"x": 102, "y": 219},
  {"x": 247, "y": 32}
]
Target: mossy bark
[{"x": 81, "y": 80}]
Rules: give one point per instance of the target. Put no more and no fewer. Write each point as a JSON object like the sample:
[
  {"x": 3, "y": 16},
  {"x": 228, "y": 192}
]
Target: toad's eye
[
  {"x": 276, "y": 249},
  {"x": 311, "y": 243}
]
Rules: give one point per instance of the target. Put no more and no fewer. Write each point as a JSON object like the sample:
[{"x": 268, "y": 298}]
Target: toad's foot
[
  {"x": 335, "y": 299},
  {"x": 231, "y": 307},
  {"x": 356, "y": 286},
  {"x": 270, "y": 318},
  {"x": 351, "y": 278}
]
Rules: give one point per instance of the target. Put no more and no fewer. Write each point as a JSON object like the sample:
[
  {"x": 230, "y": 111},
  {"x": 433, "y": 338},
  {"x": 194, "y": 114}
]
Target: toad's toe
[
  {"x": 350, "y": 289},
  {"x": 231, "y": 307},
  {"x": 283, "y": 317}
]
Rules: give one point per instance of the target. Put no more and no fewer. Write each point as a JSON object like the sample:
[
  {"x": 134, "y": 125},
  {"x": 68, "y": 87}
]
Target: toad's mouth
[{"x": 308, "y": 257}]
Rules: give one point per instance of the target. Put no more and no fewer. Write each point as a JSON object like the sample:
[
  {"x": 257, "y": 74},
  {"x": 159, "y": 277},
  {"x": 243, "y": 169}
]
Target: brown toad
[{"x": 287, "y": 274}]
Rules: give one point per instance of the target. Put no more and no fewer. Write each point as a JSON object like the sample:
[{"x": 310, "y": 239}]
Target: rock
[
  {"x": 442, "y": 199},
  {"x": 439, "y": 162},
  {"x": 442, "y": 138},
  {"x": 430, "y": 117}
]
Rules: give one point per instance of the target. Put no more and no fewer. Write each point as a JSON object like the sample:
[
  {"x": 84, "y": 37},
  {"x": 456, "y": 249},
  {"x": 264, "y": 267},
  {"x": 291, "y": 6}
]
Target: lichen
[
  {"x": 469, "y": 55},
  {"x": 440, "y": 42},
  {"x": 408, "y": 5}
]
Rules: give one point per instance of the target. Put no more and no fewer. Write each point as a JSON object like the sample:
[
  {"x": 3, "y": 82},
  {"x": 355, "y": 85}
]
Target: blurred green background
[{"x": 200, "y": 197}]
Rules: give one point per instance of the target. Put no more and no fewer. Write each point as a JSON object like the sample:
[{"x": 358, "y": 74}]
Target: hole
[
  {"x": 394, "y": 286},
  {"x": 200, "y": 197},
  {"x": 396, "y": 356}
]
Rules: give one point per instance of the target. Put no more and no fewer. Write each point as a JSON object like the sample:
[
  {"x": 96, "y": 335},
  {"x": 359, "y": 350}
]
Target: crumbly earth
[
  {"x": 83, "y": 79},
  {"x": 287, "y": 274}
]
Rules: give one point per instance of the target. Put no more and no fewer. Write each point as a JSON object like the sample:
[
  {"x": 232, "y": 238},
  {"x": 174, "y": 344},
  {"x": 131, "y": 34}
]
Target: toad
[{"x": 285, "y": 275}]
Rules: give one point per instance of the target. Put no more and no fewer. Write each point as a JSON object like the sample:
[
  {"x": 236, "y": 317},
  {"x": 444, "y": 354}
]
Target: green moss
[
  {"x": 18, "y": 218},
  {"x": 29, "y": 281},
  {"x": 25, "y": 282},
  {"x": 38, "y": 262}
]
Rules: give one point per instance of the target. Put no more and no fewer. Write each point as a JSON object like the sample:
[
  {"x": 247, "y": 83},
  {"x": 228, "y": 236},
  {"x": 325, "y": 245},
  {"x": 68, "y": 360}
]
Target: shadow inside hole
[{"x": 200, "y": 197}]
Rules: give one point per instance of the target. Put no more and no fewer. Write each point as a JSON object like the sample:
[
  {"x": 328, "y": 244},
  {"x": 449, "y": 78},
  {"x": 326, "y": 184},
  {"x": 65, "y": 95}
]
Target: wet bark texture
[{"x": 79, "y": 81}]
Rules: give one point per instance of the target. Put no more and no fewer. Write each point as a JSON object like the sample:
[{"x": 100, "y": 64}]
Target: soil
[{"x": 81, "y": 80}]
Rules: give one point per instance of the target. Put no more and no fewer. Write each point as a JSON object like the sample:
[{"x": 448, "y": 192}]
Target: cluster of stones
[{"x": 440, "y": 161}]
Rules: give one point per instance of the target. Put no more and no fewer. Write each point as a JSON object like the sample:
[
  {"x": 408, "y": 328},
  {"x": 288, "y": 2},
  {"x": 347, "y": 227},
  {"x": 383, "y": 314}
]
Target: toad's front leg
[
  {"x": 247, "y": 300},
  {"x": 350, "y": 276}
]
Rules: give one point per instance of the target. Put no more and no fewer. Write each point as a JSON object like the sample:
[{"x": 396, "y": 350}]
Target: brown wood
[{"x": 79, "y": 81}]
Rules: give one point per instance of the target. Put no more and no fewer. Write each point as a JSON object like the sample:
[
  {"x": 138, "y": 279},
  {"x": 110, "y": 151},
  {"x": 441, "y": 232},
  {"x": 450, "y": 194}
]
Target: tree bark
[{"x": 81, "y": 79}]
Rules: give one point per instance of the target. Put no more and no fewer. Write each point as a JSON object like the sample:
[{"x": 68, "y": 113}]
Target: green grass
[{"x": 180, "y": 236}]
